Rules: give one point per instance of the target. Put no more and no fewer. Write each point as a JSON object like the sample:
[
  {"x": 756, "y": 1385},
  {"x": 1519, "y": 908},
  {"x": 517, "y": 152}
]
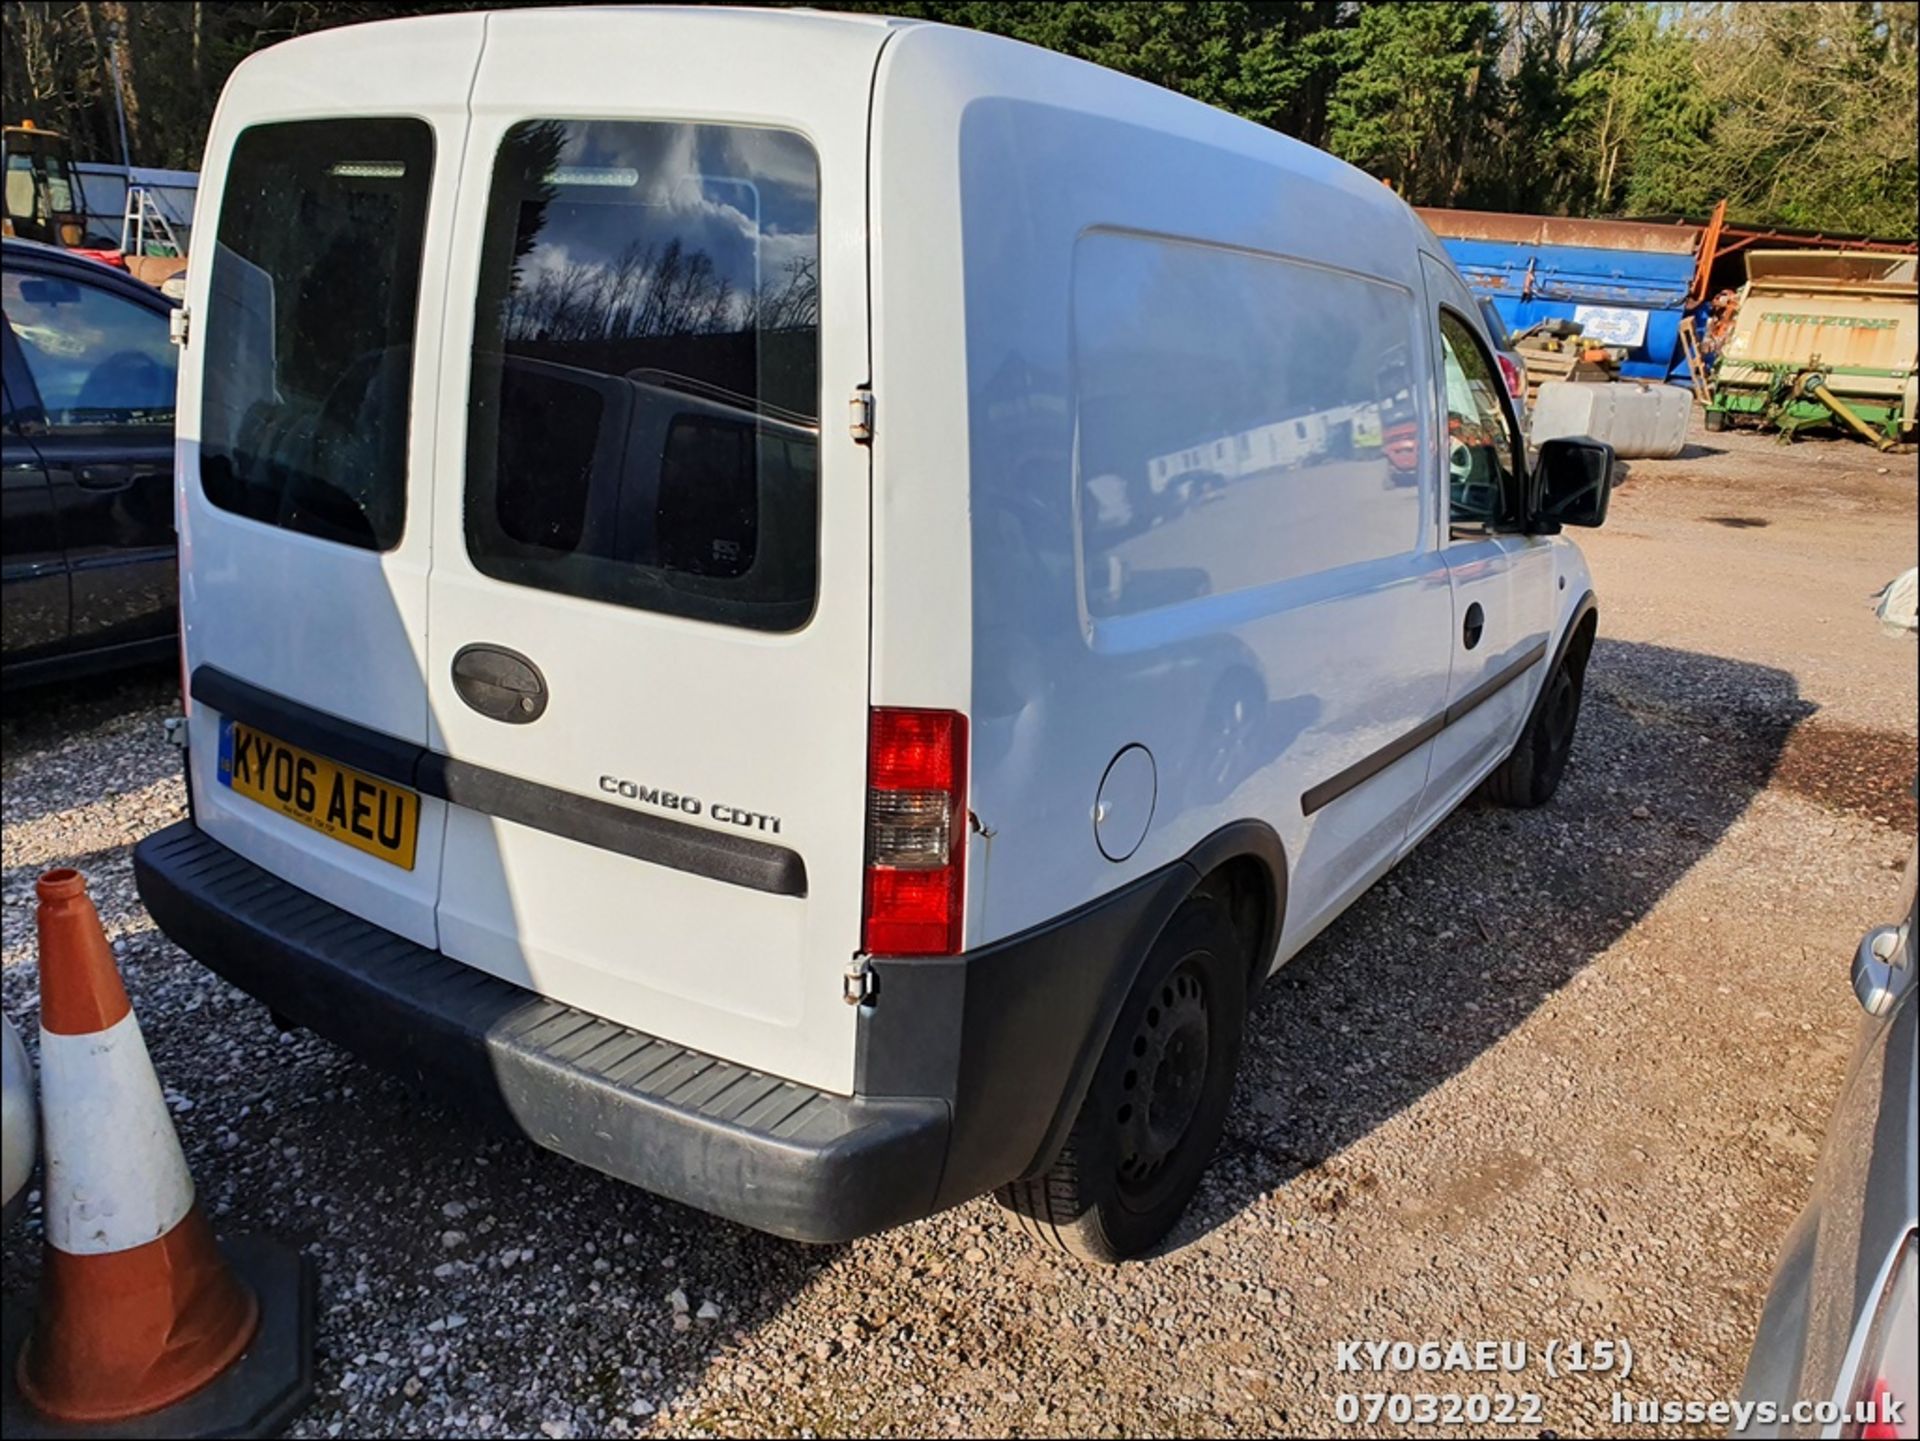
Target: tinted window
[
  {"x": 645, "y": 400},
  {"x": 1481, "y": 481},
  {"x": 309, "y": 336},
  {"x": 1242, "y": 419},
  {"x": 95, "y": 357}
]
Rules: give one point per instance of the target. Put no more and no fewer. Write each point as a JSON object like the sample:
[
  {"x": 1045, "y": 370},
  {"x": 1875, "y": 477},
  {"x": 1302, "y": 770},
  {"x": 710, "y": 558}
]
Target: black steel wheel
[
  {"x": 1157, "y": 1105},
  {"x": 1161, "y": 1087}
]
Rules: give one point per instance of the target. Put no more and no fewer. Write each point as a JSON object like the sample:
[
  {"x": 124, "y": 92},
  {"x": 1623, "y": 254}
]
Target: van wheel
[
  {"x": 1531, "y": 775},
  {"x": 1158, "y": 1103}
]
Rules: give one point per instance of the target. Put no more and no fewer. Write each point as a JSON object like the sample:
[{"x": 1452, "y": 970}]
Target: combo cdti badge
[{"x": 807, "y": 605}]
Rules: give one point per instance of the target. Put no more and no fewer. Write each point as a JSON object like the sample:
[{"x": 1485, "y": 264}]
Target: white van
[{"x": 807, "y": 605}]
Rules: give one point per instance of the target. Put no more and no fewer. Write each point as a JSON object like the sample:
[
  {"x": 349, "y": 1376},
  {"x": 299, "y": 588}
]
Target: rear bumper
[
  {"x": 773, "y": 1155},
  {"x": 970, "y": 1068}
]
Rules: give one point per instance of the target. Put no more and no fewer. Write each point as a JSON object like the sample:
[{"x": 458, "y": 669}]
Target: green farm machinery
[{"x": 1823, "y": 338}]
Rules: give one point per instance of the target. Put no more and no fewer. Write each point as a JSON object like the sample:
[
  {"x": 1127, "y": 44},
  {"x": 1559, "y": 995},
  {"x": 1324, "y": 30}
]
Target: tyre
[
  {"x": 1531, "y": 775},
  {"x": 1716, "y": 420},
  {"x": 1158, "y": 1102}
]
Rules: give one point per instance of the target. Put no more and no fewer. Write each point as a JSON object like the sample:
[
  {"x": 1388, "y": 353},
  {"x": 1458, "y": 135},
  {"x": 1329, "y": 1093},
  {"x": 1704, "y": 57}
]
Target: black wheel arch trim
[
  {"x": 1012, "y": 1032},
  {"x": 1258, "y": 840},
  {"x": 1583, "y": 608}
]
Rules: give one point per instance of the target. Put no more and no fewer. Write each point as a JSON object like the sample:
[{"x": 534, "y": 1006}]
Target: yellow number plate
[{"x": 368, "y": 814}]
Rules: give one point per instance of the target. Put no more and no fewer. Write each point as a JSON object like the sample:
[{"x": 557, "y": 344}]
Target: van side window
[
  {"x": 309, "y": 333},
  {"x": 1482, "y": 485},
  {"x": 644, "y": 423},
  {"x": 1241, "y": 419}
]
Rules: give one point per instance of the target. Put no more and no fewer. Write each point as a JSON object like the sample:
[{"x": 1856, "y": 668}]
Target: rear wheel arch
[
  {"x": 1244, "y": 864},
  {"x": 1155, "y": 1108}
]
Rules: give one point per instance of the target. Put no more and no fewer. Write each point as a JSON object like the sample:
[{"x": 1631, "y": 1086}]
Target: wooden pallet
[{"x": 1570, "y": 364}]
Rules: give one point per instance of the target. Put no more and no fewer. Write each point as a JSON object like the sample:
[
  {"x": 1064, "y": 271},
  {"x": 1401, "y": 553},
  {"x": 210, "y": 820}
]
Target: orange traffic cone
[{"x": 139, "y": 1309}]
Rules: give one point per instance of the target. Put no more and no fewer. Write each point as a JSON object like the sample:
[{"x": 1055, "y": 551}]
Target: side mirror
[
  {"x": 1880, "y": 970},
  {"x": 1572, "y": 484}
]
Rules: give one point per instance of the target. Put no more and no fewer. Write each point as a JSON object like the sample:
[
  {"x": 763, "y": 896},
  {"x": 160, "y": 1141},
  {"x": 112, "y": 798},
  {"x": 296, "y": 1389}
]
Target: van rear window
[
  {"x": 309, "y": 331},
  {"x": 645, "y": 401}
]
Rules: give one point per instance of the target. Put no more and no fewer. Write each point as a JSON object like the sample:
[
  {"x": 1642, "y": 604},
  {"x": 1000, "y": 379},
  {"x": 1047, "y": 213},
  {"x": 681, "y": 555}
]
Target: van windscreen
[
  {"x": 645, "y": 402},
  {"x": 309, "y": 331}
]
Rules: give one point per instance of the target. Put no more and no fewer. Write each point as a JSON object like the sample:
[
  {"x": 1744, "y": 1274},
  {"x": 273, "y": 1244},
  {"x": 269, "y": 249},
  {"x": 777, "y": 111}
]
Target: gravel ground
[{"x": 1563, "y": 1075}]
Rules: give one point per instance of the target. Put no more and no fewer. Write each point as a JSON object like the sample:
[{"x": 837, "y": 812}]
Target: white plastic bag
[{"x": 1898, "y": 603}]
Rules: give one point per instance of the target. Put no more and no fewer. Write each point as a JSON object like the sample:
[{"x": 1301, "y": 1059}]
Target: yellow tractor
[{"x": 42, "y": 193}]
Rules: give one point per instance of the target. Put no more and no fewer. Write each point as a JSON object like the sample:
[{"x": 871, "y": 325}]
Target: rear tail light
[
  {"x": 1514, "y": 373},
  {"x": 916, "y": 832},
  {"x": 1888, "y": 1376}
]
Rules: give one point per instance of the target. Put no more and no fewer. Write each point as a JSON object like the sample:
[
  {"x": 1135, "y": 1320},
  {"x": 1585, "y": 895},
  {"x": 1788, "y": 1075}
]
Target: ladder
[
  {"x": 145, "y": 222},
  {"x": 1696, "y": 368}
]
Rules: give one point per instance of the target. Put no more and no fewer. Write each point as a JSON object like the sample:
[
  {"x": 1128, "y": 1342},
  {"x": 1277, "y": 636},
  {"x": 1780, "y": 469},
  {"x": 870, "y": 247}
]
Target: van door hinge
[
  {"x": 860, "y": 414},
  {"x": 857, "y": 983},
  {"x": 177, "y": 326}
]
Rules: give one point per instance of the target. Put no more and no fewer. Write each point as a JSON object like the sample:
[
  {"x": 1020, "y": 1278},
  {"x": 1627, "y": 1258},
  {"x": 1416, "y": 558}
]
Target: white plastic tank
[
  {"x": 18, "y": 1122},
  {"x": 1641, "y": 420}
]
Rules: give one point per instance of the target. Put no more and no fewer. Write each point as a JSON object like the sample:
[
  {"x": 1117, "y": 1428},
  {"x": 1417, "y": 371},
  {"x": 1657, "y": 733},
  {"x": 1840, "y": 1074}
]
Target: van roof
[
  {"x": 966, "y": 65},
  {"x": 965, "y": 60},
  {"x": 305, "y": 48}
]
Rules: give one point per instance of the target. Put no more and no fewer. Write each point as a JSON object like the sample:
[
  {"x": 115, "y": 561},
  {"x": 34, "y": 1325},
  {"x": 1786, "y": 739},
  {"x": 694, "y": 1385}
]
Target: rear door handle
[
  {"x": 501, "y": 684},
  {"x": 1475, "y": 626}
]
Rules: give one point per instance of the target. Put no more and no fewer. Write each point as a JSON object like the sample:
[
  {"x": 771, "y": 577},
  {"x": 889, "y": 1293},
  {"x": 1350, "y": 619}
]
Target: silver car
[{"x": 1840, "y": 1325}]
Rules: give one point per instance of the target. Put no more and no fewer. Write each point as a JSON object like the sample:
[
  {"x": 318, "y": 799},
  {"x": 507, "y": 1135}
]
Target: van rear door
[
  {"x": 305, "y": 462},
  {"x": 648, "y": 611}
]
